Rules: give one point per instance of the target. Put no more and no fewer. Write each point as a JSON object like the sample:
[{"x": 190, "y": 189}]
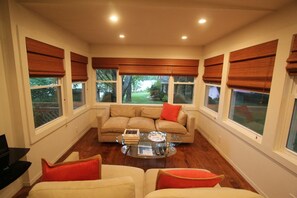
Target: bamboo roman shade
[
  {"x": 213, "y": 69},
  {"x": 145, "y": 66},
  {"x": 44, "y": 59},
  {"x": 292, "y": 60},
  {"x": 252, "y": 68},
  {"x": 79, "y": 67}
]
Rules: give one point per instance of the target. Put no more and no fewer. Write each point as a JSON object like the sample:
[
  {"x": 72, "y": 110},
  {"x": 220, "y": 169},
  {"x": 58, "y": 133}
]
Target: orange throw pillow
[
  {"x": 170, "y": 112},
  {"x": 186, "y": 178},
  {"x": 85, "y": 169}
]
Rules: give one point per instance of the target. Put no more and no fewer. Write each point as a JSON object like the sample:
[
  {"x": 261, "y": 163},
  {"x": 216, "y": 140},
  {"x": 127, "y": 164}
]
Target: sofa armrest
[
  {"x": 74, "y": 156},
  {"x": 191, "y": 124},
  {"x": 102, "y": 117}
]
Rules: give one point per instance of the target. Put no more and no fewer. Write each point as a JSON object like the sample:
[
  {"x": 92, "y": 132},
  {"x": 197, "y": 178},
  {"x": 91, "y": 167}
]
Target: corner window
[
  {"x": 106, "y": 85},
  {"x": 46, "y": 99},
  {"x": 183, "y": 89},
  {"x": 212, "y": 97},
  {"x": 78, "y": 94},
  {"x": 249, "y": 109},
  {"x": 138, "y": 89}
]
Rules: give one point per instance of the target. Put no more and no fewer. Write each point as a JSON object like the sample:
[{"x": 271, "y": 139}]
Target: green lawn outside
[{"x": 143, "y": 98}]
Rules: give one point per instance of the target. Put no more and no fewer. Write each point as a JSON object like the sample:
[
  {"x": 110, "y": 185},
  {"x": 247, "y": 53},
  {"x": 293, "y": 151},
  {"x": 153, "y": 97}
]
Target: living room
[{"x": 261, "y": 158}]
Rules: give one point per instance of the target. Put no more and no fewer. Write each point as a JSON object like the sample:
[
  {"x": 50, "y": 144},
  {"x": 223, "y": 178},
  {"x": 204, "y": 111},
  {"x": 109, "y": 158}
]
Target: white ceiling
[{"x": 152, "y": 22}]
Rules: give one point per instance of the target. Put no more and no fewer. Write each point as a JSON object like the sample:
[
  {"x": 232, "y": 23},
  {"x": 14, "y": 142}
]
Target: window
[
  {"x": 212, "y": 97},
  {"x": 183, "y": 89},
  {"x": 46, "y": 99},
  {"x": 78, "y": 94},
  {"x": 292, "y": 137},
  {"x": 144, "y": 89},
  {"x": 249, "y": 109},
  {"x": 106, "y": 85}
]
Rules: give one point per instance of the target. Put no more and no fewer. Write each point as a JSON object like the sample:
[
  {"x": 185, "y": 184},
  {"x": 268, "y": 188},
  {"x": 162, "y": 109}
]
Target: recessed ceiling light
[
  {"x": 122, "y": 36},
  {"x": 202, "y": 21},
  {"x": 184, "y": 37},
  {"x": 114, "y": 18}
]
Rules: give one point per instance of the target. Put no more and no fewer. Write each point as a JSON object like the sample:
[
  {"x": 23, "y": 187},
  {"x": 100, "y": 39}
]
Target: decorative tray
[{"x": 157, "y": 136}]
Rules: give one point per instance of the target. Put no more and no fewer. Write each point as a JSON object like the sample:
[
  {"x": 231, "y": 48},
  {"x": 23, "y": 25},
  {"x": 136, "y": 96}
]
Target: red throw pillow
[
  {"x": 86, "y": 169},
  {"x": 170, "y": 112},
  {"x": 186, "y": 178}
]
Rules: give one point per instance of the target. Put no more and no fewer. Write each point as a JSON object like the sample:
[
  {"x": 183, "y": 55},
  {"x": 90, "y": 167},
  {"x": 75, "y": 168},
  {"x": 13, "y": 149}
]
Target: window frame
[
  {"x": 292, "y": 96},
  {"x": 205, "y": 98},
  {"x": 84, "y": 95},
  {"x": 173, "y": 83},
  {"x": 118, "y": 86}
]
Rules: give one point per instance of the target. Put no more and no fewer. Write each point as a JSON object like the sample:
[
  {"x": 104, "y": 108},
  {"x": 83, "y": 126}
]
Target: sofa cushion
[
  {"x": 170, "y": 112},
  {"x": 85, "y": 169},
  {"x": 141, "y": 123},
  {"x": 122, "y": 111},
  {"x": 203, "y": 192},
  {"x": 115, "y": 124},
  {"x": 121, "y": 187},
  {"x": 170, "y": 127},
  {"x": 186, "y": 178},
  {"x": 151, "y": 178},
  {"x": 151, "y": 112}
]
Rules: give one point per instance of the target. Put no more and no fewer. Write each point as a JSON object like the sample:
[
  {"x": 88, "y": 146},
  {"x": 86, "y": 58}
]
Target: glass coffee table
[{"x": 148, "y": 147}]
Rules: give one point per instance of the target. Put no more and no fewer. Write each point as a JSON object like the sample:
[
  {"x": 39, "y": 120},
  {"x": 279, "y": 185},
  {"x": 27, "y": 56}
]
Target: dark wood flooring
[{"x": 200, "y": 154}]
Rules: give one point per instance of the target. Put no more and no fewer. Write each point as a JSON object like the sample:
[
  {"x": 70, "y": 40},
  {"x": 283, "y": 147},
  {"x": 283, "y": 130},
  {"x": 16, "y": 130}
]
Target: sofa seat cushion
[
  {"x": 115, "y": 124},
  {"x": 141, "y": 123},
  {"x": 170, "y": 127},
  {"x": 203, "y": 192},
  {"x": 120, "y": 187}
]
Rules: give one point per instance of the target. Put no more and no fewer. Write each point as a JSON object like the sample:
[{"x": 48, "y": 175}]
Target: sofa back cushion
[
  {"x": 151, "y": 112},
  {"x": 122, "y": 111},
  {"x": 121, "y": 187}
]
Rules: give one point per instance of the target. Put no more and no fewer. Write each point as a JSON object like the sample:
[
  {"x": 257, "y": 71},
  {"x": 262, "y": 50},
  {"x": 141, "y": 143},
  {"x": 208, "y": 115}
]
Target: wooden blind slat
[
  {"x": 38, "y": 47},
  {"x": 79, "y": 71},
  {"x": 184, "y": 71},
  {"x": 78, "y": 58},
  {"x": 146, "y": 66},
  {"x": 79, "y": 67},
  {"x": 44, "y": 60},
  {"x": 252, "y": 68},
  {"x": 213, "y": 69},
  {"x": 292, "y": 59},
  {"x": 144, "y": 70},
  {"x": 41, "y": 66},
  {"x": 257, "y": 51}
]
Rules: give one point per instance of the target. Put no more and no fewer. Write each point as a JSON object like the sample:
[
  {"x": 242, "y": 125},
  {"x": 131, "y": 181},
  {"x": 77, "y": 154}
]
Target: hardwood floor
[{"x": 200, "y": 154}]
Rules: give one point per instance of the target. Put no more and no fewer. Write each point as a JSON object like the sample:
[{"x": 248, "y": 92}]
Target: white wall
[
  {"x": 14, "y": 81},
  {"x": 259, "y": 161}
]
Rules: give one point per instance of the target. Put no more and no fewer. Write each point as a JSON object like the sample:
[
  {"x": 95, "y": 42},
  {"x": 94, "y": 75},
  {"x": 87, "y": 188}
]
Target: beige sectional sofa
[
  {"x": 128, "y": 182},
  {"x": 115, "y": 119}
]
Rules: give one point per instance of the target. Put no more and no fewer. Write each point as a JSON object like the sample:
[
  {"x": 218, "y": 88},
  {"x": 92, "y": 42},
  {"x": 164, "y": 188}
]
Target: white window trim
[
  {"x": 172, "y": 83},
  {"x": 117, "y": 82},
  {"x": 282, "y": 145}
]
